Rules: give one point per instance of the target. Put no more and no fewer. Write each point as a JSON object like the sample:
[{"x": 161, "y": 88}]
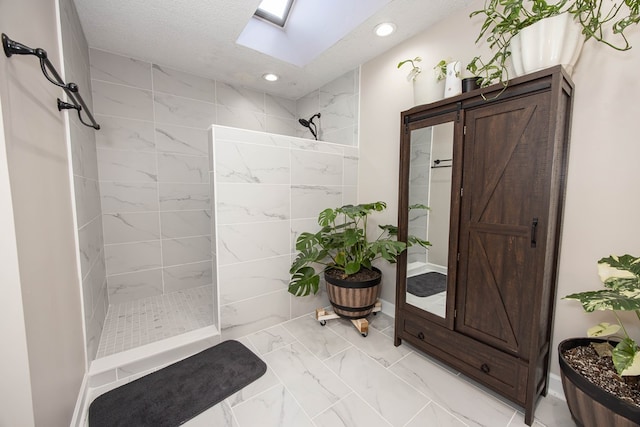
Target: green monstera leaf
[
  {"x": 608, "y": 300},
  {"x": 304, "y": 281},
  {"x": 626, "y": 357},
  {"x": 603, "y": 329},
  {"x": 621, "y": 278}
]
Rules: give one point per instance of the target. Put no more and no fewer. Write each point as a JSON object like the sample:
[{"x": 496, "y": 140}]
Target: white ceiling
[{"x": 199, "y": 37}]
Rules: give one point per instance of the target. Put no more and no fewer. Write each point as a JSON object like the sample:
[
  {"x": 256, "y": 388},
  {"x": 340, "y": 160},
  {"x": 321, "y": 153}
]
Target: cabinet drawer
[{"x": 502, "y": 372}]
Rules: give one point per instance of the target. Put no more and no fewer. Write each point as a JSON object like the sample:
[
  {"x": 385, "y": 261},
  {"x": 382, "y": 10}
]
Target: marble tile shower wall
[
  {"x": 152, "y": 160},
  {"x": 267, "y": 189},
  {"x": 338, "y": 102},
  {"x": 85, "y": 182}
]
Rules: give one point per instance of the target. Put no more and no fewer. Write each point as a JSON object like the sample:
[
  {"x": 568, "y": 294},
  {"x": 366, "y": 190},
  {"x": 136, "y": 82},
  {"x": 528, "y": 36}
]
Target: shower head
[
  {"x": 313, "y": 117},
  {"x": 309, "y": 123}
]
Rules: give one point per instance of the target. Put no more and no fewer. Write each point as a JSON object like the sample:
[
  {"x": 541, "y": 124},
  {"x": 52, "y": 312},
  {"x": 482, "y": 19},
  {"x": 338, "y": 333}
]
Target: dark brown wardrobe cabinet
[{"x": 492, "y": 171}]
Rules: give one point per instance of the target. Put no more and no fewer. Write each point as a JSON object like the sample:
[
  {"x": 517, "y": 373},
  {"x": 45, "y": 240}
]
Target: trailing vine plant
[{"x": 503, "y": 19}]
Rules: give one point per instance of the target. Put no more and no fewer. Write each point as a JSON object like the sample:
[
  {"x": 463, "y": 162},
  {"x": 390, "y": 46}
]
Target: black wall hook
[{"x": 12, "y": 47}]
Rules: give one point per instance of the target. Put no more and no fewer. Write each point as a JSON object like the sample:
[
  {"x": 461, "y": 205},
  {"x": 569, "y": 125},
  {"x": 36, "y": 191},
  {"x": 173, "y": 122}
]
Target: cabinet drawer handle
[
  {"x": 485, "y": 368},
  {"x": 421, "y": 336}
]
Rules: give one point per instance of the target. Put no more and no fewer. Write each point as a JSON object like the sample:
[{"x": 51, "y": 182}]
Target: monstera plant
[
  {"x": 621, "y": 278},
  {"x": 345, "y": 247}
]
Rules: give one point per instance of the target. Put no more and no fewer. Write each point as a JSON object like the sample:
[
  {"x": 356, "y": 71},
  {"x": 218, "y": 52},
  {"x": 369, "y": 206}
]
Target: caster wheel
[
  {"x": 364, "y": 334},
  {"x": 323, "y": 322},
  {"x": 375, "y": 312}
]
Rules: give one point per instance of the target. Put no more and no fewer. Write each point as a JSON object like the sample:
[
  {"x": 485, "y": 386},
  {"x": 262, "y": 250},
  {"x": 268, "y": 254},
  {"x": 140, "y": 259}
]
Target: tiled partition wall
[
  {"x": 338, "y": 102},
  {"x": 267, "y": 189},
  {"x": 85, "y": 182}
]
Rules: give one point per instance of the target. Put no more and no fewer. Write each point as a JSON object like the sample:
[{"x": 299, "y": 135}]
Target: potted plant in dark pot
[
  {"x": 344, "y": 252},
  {"x": 558, "y": 30},
  {"x": 601, "y": 377}
]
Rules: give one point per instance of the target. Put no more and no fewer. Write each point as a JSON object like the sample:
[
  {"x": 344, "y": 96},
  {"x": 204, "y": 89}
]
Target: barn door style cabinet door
[{"x": 492, "y": 171}]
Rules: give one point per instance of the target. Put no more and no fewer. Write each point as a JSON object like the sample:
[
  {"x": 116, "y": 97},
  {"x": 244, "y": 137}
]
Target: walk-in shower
[{"x": 146, "y": 203}]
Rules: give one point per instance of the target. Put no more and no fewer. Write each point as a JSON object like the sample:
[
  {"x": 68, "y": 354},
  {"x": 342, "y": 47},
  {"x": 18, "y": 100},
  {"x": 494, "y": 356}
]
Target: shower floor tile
[{"x": 136, "y": 323}]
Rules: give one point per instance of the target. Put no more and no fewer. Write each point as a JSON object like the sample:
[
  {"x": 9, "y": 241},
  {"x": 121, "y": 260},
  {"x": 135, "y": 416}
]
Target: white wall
[
  {"x": 38, "y": 168},
  {"x": 601, "y": 209},
  {"x": 15, "y": 389}
]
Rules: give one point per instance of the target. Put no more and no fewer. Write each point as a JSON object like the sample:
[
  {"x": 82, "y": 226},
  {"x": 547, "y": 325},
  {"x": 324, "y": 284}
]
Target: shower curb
[{"x": 109, "y": 372}]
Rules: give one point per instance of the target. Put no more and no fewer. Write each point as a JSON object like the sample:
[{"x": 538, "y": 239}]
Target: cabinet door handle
[
  {"x": 534, "y": 232},
  {"x": 421, "y": 336},
  {"x": 485, "y": 368}
]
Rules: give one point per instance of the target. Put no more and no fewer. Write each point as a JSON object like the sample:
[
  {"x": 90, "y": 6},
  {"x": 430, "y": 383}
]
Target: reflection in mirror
[{"x": 430, "y": 184}]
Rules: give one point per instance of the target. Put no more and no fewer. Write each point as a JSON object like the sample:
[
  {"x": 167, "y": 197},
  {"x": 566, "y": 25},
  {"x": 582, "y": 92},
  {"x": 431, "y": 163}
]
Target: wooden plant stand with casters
[{"x": 362, "y": 325}]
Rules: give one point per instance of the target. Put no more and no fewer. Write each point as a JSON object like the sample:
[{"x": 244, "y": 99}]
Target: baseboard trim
[
  {"x": 388, "y": 308},
  {"x": 555, "y": 387}
]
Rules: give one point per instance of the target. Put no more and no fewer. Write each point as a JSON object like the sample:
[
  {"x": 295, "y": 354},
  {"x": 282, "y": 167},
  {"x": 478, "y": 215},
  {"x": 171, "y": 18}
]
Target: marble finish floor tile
[
  {"x": 478, "y": 408},
  {"x": 376, "y": 345},
  {"x": 275, "y": 407},
  {"x": 436, "y": 416},
  {"x": 352, "y": 411},
  {"x": 331, "y": 376},
  {"x": 389, "y": 396},
  {"x": 313, "y": 384},
  {"x": 321, "y": 341},
  {"x": 271, "y": 339}
]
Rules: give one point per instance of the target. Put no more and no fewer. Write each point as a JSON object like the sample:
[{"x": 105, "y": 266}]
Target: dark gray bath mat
[
  {"x": 175, "y": 394},
  {"x": 424, "y": 285}
]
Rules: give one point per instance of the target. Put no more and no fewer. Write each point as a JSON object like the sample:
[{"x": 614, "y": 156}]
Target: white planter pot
[
  {"x": 421, "y": 90},
  {"x": 551, "y": 41},
  {"x": 427, "y": 89}
]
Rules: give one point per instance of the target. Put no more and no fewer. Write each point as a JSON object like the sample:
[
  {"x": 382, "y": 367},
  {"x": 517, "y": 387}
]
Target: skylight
[{"x": 274, "y": 11}]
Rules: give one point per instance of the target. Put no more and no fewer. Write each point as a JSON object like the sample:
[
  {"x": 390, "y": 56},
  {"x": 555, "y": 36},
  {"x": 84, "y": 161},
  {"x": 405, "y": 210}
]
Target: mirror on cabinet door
[{"x": 430, "y": 176}]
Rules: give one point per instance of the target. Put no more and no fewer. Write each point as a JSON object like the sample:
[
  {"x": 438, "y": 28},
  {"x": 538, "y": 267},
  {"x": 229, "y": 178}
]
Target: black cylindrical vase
[{"x": 469, "y": 84}]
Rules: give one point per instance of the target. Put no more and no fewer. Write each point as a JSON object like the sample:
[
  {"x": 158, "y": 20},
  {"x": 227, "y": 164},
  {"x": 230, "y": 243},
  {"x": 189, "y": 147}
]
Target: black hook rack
[
  {"x": 12, "y": 47},
  {"x": 436, "y": 163}
]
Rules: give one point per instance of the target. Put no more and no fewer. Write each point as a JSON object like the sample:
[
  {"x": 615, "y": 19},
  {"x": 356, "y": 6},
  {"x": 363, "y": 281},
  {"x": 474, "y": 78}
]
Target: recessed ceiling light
[
  {"x": 384, "y": 29},
  {"x": 270, "y": 77}
]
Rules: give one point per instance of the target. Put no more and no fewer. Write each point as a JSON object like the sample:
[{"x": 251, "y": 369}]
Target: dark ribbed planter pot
[
  {"x": 590, "y": 405},
  {"x": 469, "y": 84},
  {"x": 353, "y": 300}
]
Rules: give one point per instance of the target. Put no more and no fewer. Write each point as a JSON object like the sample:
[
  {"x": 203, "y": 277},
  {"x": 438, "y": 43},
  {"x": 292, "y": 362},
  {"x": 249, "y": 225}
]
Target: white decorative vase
[
  {"x": 551, "y": 41},
  {"x": 426, "y": 89},
  {"x": 453, "y": 82}
]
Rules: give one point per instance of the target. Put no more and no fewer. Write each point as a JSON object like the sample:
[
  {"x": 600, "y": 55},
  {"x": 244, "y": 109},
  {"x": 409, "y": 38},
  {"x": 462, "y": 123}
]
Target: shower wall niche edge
[{"x": 265, "y": 189}]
